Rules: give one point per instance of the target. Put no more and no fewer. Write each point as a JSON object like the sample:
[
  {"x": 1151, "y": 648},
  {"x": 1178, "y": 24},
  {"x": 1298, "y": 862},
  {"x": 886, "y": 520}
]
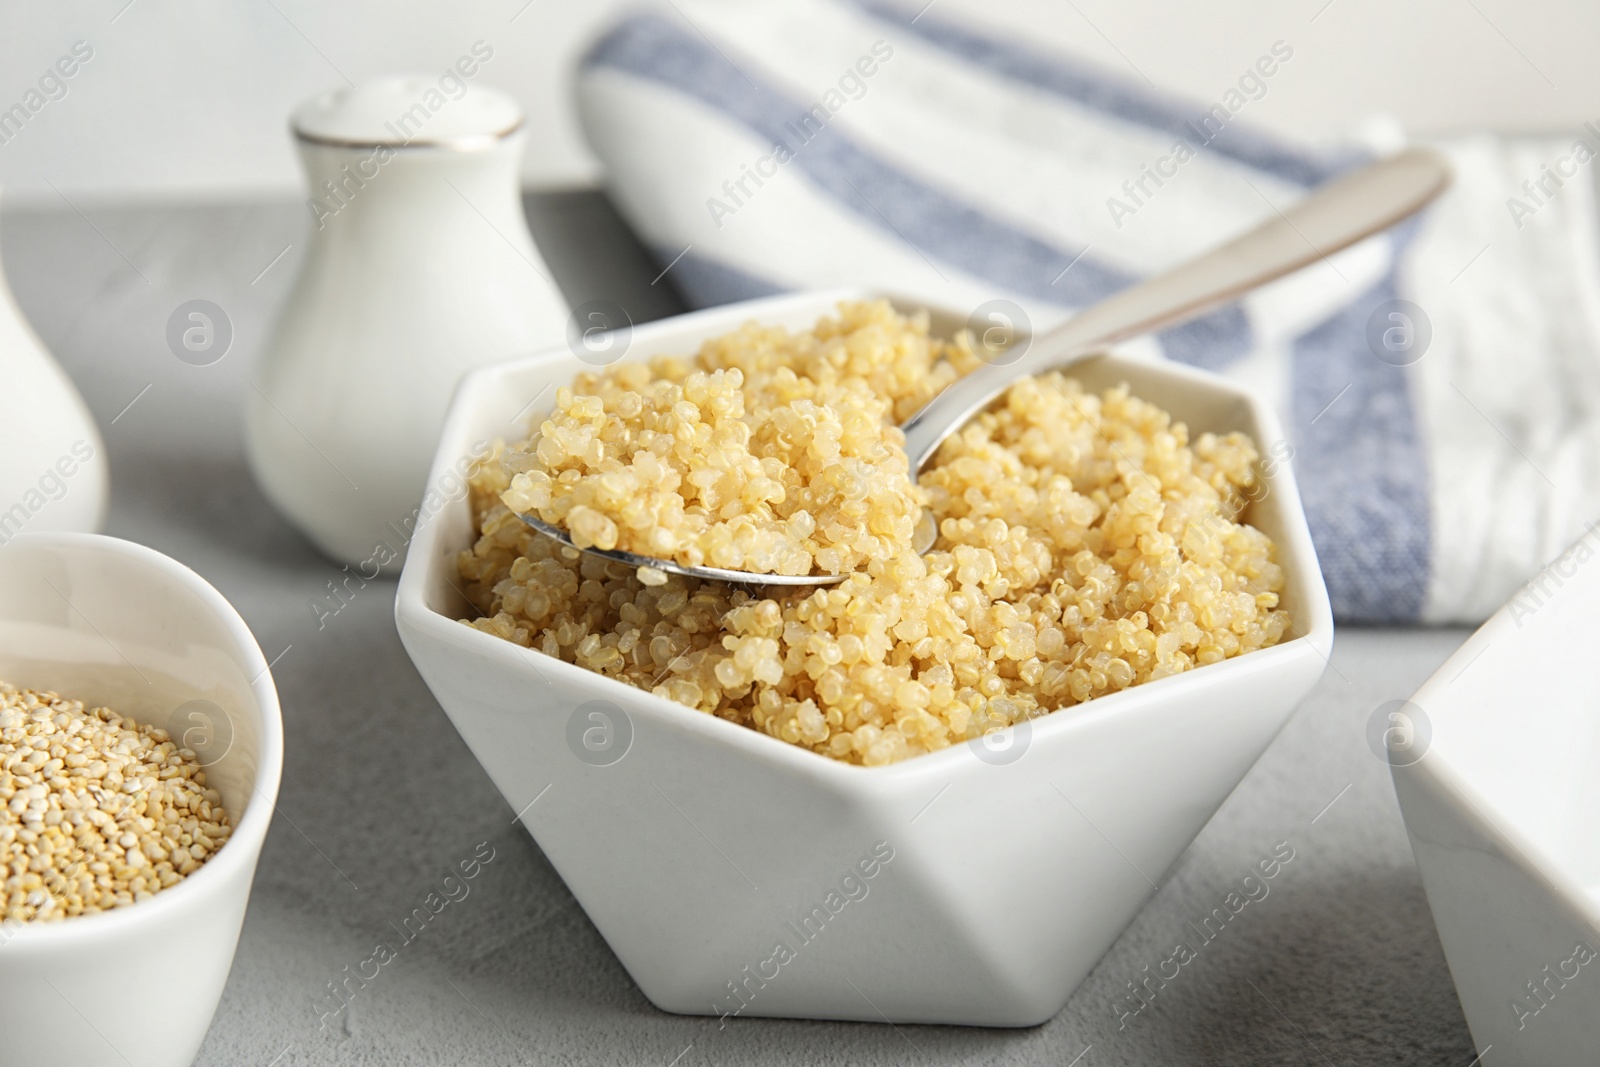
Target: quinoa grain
[
  {"x": 1086, "y": 544},
  {"x": 98, "y": 812}
]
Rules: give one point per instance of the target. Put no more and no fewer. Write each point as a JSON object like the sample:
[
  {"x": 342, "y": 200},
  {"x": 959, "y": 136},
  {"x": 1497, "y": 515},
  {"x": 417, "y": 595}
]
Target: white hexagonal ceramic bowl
[
  {"x": 728, "y": 870},
  {"x": 1497, "y": 766}
]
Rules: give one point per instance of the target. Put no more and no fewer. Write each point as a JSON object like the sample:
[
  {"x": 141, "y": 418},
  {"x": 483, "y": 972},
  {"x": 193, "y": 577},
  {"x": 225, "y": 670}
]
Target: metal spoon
[{"x": 1335, "y": 216}]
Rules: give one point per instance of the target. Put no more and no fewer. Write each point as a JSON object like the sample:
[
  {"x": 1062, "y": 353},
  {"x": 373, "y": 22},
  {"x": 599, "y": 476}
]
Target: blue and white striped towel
[{"x": 808, "y": 143}]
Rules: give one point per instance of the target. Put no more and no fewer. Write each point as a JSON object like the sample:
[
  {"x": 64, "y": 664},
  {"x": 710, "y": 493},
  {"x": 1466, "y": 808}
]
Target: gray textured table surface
[{"x": 1338, "y": 965}]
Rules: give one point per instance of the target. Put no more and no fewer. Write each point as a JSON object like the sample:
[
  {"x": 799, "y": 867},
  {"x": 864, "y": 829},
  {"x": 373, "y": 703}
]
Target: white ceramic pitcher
[
  {"x": 420, "y": 268},
  {"x": 53, "y": 464}
]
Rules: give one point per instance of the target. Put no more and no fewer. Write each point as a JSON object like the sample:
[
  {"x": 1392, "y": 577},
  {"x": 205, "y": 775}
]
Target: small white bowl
[
  {"x": 1496, "y": 762},
  {"x": 999, "y": 872},
  {"x": 109, "y": 622}
]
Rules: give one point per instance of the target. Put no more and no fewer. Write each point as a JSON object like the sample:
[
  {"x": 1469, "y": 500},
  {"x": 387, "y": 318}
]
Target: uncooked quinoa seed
[
  {"x": 1086, "y": 543},
  {"x": 95, "y": 811}
]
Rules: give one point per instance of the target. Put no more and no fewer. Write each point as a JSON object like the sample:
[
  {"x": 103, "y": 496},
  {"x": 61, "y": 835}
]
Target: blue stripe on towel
[
  {"x": 1362, "y": 467},
  {"x": 933, "y": 222},
  {"x": 1095, "y": 89},
  {"x": 1212, "y": 341},
  {"x": 1362, "y": 463},
  {"x": 705, "y": 282}
]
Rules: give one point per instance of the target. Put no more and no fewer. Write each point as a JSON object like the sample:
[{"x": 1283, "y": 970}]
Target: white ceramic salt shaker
[
  {"x": 53, "y": 472},
  {"x": 420, "y": 268}
]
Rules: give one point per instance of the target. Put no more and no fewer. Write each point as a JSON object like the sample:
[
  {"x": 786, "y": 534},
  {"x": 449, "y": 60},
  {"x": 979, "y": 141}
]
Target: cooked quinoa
[
  {"x": 1085, "y": 543},
  {"x": 769, "y": 451},
  {"x": 96, "y": 812}
]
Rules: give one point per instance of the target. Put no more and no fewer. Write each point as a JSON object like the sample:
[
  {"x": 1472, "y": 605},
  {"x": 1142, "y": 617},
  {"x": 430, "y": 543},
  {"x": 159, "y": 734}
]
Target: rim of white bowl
[
  {"x": 411, "y": 609},
  {"x": 259, "y": 807}
]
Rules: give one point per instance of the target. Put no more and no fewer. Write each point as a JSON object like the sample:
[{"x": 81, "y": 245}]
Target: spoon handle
[{"x": 1333, "y": 217}]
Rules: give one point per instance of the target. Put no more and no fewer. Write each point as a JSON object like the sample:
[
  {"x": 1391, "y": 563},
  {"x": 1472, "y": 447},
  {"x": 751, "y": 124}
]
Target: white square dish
[
  {"x": 733, "y": 873},
  {"x": 1496, "y": 762}
]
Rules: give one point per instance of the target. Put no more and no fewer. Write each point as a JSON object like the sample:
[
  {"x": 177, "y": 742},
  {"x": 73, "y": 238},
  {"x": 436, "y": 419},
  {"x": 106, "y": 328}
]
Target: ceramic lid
[{"x": 441, "y": 110}]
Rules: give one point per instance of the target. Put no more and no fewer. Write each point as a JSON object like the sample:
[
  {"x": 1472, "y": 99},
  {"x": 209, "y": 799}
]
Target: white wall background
[{"x": 187, "y": 99}]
